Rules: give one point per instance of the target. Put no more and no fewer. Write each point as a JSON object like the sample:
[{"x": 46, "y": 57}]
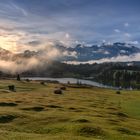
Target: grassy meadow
[{"x": 34, "y": 112}]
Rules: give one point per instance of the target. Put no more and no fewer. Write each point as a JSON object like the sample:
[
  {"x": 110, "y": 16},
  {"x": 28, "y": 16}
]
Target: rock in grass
[
  {"x": 58, "y": 91},
  {"x": 42, "y": 83},
  {"x": 118, "y": 92},
  {"x": 63, "y": 88},
  {"x": 12, "y": 88}
]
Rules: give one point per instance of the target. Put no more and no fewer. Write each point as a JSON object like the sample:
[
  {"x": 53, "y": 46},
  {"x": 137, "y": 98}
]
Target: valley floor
[{"x": 34, "y": 112}]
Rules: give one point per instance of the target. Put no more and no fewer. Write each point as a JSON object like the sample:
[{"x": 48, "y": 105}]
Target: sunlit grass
[{"x": 34, "y": 112}]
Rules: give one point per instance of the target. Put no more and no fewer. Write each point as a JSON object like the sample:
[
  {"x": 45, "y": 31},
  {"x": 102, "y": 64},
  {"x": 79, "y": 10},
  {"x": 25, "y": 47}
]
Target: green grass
[{"x": 34, "y": 112}]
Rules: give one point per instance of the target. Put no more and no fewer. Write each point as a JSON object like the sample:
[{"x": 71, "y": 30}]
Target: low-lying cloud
[
  {"x": 14, "y": 67},
  {"x": 14, "y": 63},
  {"x": 119, "y": 58}
]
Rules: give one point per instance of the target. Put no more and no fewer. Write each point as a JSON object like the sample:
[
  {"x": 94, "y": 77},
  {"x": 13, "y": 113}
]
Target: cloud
[
  {"x": 18, "y": 40},
  {"x": 75, "y": 19},
  {"x": 126, "y": 24},
  {"x": 127, "y": 34},
  {"x": 70, "y": 54},
  {"x": 117, "y": 30},
  {"x": 20, "y": 62},
  {"x": 39, "y": 25},
  {"x": 67, "y": 35},
  {"x": 34, "y": 43},
  {"x": 19, "y": 66},
  {"x": 133, "y": 42},
  {"x": 19, "y": 9},
  {"x": 119, "y": 58}
]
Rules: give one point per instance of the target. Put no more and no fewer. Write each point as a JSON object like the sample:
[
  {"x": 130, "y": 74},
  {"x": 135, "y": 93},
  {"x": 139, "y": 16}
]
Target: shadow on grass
[
  {"x": 54, "y": 106},
  {"x": 90, "y": 131},
  {"x": 7, "y": 118},
  {"x": 81, "y": 121},
  {"x": 7, "y": 104},
  {"x": 127, "y": 131},
  {"x": 37, "y": 109}
]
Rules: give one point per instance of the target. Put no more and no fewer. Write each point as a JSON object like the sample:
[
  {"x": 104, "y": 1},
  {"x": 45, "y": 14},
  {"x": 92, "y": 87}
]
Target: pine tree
[{"x": 18, "y": 77}]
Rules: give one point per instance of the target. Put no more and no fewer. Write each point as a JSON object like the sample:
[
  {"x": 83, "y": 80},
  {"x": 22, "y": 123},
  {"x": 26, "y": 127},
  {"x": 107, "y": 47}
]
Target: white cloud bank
[{"x": 135, "y": 57}]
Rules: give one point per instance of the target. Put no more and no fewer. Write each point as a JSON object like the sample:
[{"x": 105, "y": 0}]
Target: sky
[{"x": 31, "y": 24}]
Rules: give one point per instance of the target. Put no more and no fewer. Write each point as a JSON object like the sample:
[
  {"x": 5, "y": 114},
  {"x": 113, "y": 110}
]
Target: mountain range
[
  {"x": 79, "y": 52},
  {"x": 95, "y": 52}
]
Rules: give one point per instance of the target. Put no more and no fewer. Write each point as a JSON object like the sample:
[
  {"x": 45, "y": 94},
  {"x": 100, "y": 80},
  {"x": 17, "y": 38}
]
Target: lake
[{"x": 71, "y": 80}]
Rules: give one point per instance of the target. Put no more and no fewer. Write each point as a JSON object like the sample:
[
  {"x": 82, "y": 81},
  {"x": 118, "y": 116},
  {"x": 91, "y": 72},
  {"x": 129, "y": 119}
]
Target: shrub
[
  {"x": 58, "y": 91},
  {"x": 27, "y": 80}
]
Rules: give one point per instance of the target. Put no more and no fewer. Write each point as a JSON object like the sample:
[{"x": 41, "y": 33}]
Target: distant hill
[
  {"x": 58, "y": 69},
  {"x": 124, "y": 75}
]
